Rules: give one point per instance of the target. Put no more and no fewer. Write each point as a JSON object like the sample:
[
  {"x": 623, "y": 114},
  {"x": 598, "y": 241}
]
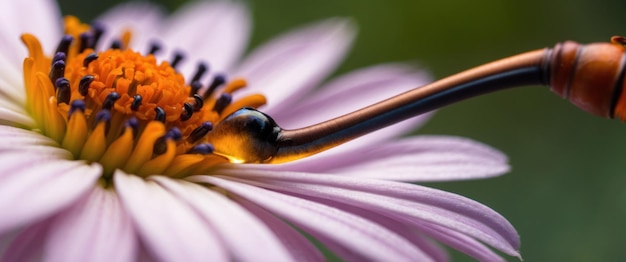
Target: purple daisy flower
[{"x": 105, "y": 158}]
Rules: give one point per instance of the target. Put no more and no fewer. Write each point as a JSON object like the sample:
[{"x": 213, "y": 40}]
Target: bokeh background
[{"x": 566, "y": 193}]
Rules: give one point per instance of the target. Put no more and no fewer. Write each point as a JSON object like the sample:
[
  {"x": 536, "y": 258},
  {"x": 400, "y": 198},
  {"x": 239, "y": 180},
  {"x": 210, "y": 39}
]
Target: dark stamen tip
[
  {"x": 202, "y": 68},
  {"x": 154, "y": 48},
  {"x": 160, "y": 145},
  {"x": 204, "y": 149},
  {"x": 109, "y": 101},
  {"x": 195, "y": 86},
  {"x": 136, "y": 102},
  {"x": 77, "y": 105},
  {"x": 116, "y": 44},
  {"x": 57, "y": 71},
  {"x": 187, "y": 112},
  {"x": 60, "y": 56},
  {"x": 64, "y": 44},
  {"x": 178, "y": 57},
  {"x": 222, "y": 102},
  {"x": 218, "y": 80},
  {"x": 174, "y": 134},
  {"x": 90, "y": 58},
  {"x": 103, "y": 115},
  {"x": 97, "y": 30},
  {"x": 64, "y": 93},
  {"x": 132, "y": 122},
  {"x": 160, "y": 114},
  {"x": 83, "y": 86},
  {"x": 85, "y": 41},
  {"x": 198, "y": 102},
  {"x": 200, "y": 132}
]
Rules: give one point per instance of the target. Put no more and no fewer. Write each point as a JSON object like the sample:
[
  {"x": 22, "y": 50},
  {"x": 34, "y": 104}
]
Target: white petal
[
  {"x": 141, "y": 18},
  {"x": 425, "y": 158},
  {"x": 286, "y": 68},
  {"x": 401, "y": 201},
  {"x": 212, "y": 31},
  {"x": 38, "y": 17},
  {"x": 33, "y": 187},
  {"x": 245, "y": 236},
  {"x": 168, "y": 228},
  {"x": 12, "y": 117},
  {"x": 95, "y": 229},
  {"x": 353, "y": 232},
  {"x": 11, "y": 80},
  {"x": 28, "y": 243}
]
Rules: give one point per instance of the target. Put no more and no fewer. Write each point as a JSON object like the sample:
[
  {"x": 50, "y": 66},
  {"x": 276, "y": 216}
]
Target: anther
[
  {"x": 195, "y": 86},
  {"x": 59, "y": 57},
  {"x": 85, "y": 39},
  {"x": 154, "y": 48},
  {"x": 64, "y": 93},
  {"x": 64, "y": 44},
  {"x": 103, "y": 115},
  {"x": 221, "y": 103},
  {"x": 77, "y": 105},
  {"x": 198, "y": 102},
  {"x": 109, "y": 101},
  {"x": 133, "y": 123},
  {"x": 187, "y": 112},
  {"x": 160, "y": 146},
  {"x": 218, "y": 80},
  {"x": 90, "y": 58},
  {"x": 83, "y": 85},
  {"x": 200, "y": 132},
  {"x": 202, "y": 68},
  {"x": 57, "y": 71},
  {"x": 97, "y": 29},
  {"x": 204, "y": 149},
  {"x": 136, "y": 102},
  {"x": 160, "y": 114},
  {"x": 116, "y": 44},
  {"x": 178, "y": 56}
]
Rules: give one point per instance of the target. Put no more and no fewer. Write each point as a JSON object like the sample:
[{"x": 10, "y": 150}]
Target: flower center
[{"x": 123, "y": 109}]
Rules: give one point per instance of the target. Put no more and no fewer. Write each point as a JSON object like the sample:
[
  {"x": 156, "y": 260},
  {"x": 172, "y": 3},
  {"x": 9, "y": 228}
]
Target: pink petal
[
  {"x": 91, "y": 230},
  {"x": 425, "y": 158},
  {"x": 213, "y": 31},
  {"x": 141, "y": 18},
  {"x": 353, "y": 232},
  {"x": 286, "y": 68},
  {"x": 11, "y": 82},
  {"x": 13, "y": 117},
  {"x": 245, "y": 236},
  {"x": 301, "y": 248},
  {"x": 169, "y": 228},
  {"x": 38, "y": 17},
  {"x": 401, "y": 201},
  {"x": 27, "y": 244},
  {"x": 33, "y": 187},
  {"x": 17, "y": 140}
]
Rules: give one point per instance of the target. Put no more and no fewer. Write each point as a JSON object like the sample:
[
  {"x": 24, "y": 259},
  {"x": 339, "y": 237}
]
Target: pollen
[{"x": 124, "y": 109}]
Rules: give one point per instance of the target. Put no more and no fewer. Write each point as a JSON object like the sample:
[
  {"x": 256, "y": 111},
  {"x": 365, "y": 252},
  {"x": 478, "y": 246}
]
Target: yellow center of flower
[{"x": 124, "y": 109}]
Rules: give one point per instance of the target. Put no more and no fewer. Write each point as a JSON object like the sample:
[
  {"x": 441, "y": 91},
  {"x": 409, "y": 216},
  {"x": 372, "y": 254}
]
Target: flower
[{"x": 105, "y": 156}]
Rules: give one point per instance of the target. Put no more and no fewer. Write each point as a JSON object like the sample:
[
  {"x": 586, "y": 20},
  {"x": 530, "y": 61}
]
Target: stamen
[
  {"x": 64, "y": 44},
  {"x": 64, "y": 93},
  {"x": 109, "y": 101},
  {"x": 195, "y": 86},
  {"x": 77, "y": 105},
  {"x": 160, "y": 145},
  {"x": 221, "y": 103},
  {"x": 97, "y": 30},
  {"x": 103, "y": 116},
  {"x": 154, "y": 48},
  {"x": 85, "y": 39},
  {"x": 90, "y": 58},
  {"x": 160, "y": 114},
  {"x": 136, "y": 102},
  {"x": 59, "y": 57},
  {"x": 83, "y": 85},
  {"x": 116, "y": 44},
  {"x": 57, "y": 71},
  {"x": 178, "y": 57},
  {"x": 187, "y": 112},
  {"x": 218, "y": 80},
  {"x": 202, "y": 68},
  {"x": 204, "y": 149},
  {"x": 200, "y": 132},
  {"x": 198, "y": 102}
]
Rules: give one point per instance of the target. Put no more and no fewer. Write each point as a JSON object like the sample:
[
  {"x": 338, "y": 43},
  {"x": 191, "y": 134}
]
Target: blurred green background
[{"x": 566, "y": 194}]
